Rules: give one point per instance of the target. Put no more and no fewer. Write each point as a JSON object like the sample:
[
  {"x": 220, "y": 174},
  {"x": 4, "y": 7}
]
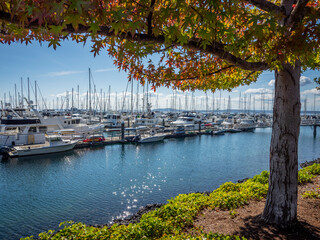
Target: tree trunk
[{"x": 281, "y": 204}]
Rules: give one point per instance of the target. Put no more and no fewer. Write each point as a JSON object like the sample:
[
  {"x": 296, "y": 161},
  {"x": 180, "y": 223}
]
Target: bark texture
[{"x": 281, "y": 204}]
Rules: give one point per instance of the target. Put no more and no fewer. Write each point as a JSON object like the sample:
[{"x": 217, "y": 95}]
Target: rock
[
  {"x": 135, "y": 218},
  {"x": 242, "y": 180},
  {"x": 309, "y": 163}
]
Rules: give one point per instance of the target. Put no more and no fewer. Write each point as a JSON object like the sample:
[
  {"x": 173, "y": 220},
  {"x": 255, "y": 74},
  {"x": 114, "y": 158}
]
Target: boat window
[
  {"x": 11, "y": 129},
  {"x": 65, "y": 121},
  {"x": 32, "y": 129},
  {"x": 77, "y": 121},
  {"x": 73, "y": 121},
  {"x": 42, "y": 129}
]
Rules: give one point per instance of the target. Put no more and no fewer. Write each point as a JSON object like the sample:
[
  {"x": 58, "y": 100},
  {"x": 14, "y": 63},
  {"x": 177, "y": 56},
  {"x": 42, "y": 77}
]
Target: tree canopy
[{"x": 208, "y": 45}]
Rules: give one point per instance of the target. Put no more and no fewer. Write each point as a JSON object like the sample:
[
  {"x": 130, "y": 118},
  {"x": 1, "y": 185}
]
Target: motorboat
[
  {"x": 246, "y": 125},
  {"x": 53, "y": 144},
  {"x": 153, "y": 136},
  {"x": 145, "y": 135}
]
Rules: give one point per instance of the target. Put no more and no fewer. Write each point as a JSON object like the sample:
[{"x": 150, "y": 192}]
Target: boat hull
[
  {"x": 152, "y": 139},
  {"x": 39, "y": 150}
]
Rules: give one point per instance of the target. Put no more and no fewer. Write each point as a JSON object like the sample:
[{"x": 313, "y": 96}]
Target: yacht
[
  {"x": 112, "y": 120},
  {"x": 189, "y": 120},
  {"x": 21, "y": 126},
  {"x": 53, "y": 144},
  {"x": 246, "y": 125},
  {"x": 149, "y": 119}
]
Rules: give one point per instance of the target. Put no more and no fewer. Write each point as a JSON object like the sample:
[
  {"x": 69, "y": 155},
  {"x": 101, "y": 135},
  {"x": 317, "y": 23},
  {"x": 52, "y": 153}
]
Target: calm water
[{"x": 97, "y": 185}]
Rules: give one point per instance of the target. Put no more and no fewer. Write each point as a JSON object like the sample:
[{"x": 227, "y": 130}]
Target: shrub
[
  {"x": 262, "y": 178},
  {"x": 312, "y": 194}
]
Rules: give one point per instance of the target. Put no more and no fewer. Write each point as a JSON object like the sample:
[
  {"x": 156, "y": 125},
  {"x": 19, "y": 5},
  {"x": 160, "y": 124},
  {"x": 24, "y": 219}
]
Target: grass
[{"x": 171, "y": 220}]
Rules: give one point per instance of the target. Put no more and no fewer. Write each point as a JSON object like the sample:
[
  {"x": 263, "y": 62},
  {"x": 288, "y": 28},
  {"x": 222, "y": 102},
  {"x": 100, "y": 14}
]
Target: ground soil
[{"x": 247, "y": 222}]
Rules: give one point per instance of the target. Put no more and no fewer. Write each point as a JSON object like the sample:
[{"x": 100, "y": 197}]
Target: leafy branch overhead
[{"x": 195, "y": 44}]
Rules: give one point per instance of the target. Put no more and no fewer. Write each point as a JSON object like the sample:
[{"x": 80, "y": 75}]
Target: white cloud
[
  {"x": 311, "y": 91},
  {"x": 63, "y": 73},
  {"x": 305, "y": 81},
  {"x": 271, "y": 83},
  {"x": 257, "y": 91}
]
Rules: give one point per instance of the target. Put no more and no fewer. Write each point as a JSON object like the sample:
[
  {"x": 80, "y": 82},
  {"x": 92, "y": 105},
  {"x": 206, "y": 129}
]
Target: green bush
[
  {"x": 312, "y": 194},
  {"x": 314, "y": 169},
  {"x": 262, "y": 178},
  {"x": 304, "y": 176}
]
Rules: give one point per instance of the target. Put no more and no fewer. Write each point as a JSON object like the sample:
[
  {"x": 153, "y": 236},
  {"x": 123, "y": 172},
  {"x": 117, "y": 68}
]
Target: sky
[{"x": 58, "y": 71}]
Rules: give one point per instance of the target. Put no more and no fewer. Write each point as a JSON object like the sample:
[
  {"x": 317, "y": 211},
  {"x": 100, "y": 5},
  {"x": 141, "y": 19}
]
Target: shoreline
[{"x": 135, "y": 218}]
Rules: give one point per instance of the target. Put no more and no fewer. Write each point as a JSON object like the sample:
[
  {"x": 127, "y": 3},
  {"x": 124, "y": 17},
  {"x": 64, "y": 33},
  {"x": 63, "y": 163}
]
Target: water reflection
[{"x": 96, "y": 185}]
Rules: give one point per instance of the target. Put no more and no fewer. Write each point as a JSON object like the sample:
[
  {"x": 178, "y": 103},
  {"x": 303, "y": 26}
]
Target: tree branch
[
  {"x": 149, "y": 18},
  {"x": 216, "y": 48},
  {"x": 193, "y": 78},
  {"x": 266, "y": 6},
  {"x": 297, "y": 13}
]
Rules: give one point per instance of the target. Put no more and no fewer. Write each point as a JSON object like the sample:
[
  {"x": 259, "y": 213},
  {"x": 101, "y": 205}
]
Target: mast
[
  {"x": 28, "y": 90},
  {"x": 78, "y": 97},
  {"x": 67, "y": 100},
  {"x": 229, "y": 104},
  {"x": 72, "y": 102},
  {"x": 131, "y": 97},
  {"x": 137, "y": 104},
  {"x": 87, "y": 101},
  {"x": 147, "y": 97},
  {"x": 35, "y": 92},
  {"x": 206, "y": 103},
  {"x": 213, "y": 102},
  {"x": 21, "y": 94},
  {"x": 116, "y": 101},
  {"x": 186, "y": 101},
  {"x": 239, "y": 107},
  {"x": 220, "y": 102},
  {"x": 15, "y": 95},
  {"x": 143, "y": 99},
  {"x": 109, "y": 100},
  {"x": 104, "y": 102},
  {"x": 245, "y": 103},
  {"x": 89, "y": 95},
  {"x": 314, "y": 103},
  {"x": 305, "y": 107}
]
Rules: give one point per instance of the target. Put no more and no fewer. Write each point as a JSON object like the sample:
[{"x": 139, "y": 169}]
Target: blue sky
[{"x": 60, "y": 70}]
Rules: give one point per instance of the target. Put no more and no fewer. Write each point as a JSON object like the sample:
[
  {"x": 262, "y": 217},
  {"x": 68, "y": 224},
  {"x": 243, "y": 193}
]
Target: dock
[{"x": 118, "y": 140}]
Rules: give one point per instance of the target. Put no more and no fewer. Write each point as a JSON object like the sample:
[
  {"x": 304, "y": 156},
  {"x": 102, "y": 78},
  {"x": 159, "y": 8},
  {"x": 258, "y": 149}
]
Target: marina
[{"x": 97, "y": 185}]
